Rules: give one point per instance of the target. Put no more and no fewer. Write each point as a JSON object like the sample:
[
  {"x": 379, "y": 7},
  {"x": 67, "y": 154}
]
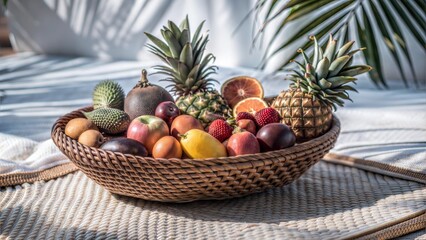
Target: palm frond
[{"x": 376, "y": 23}]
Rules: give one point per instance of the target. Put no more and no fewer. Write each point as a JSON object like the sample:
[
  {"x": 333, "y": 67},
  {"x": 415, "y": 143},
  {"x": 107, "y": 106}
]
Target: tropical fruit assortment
[{"x": 203, "y": 123}]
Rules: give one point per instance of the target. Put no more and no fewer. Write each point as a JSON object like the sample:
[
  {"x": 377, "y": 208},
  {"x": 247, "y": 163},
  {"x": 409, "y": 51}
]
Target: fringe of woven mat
[
  {"x": 12, "y": 179},
  {"x": 394, "y": 229},
  {"x": 376, "y": 167}
]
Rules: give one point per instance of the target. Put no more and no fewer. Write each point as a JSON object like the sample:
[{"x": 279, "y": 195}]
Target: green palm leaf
[
  {"x": 373, "y": 22},
  {"x": 387, "y": 39}
]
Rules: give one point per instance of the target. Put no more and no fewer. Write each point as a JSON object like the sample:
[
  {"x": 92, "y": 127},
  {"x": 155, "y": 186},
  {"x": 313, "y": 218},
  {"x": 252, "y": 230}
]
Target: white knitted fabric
[{"x": 20, "y": 154}]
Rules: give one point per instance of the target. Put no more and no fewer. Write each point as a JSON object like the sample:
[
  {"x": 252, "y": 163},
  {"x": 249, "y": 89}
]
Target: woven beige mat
[{"x": 329, "y": 202}]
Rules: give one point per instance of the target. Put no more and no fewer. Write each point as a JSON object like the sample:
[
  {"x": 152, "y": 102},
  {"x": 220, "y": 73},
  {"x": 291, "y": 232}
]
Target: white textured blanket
[{"x": 383, "y": 126}]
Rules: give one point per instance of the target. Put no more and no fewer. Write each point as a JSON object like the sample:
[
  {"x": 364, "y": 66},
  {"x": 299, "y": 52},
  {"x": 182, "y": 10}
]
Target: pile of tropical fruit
[{"x": 203, "y": 123}]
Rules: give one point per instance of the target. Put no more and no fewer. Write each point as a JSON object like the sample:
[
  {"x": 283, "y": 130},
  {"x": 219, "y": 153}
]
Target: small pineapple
[
  {"x": 188, "y": 70},
  {"x": 317, "y": 88}
]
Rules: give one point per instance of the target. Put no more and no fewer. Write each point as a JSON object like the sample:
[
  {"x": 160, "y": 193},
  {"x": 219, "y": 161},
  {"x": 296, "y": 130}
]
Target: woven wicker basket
[{"x": 184, "y": 180}]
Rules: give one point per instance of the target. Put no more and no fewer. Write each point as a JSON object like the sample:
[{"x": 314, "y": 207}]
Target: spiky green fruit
[
  {"x": 109, "y": 120},
  {"x": 108, "y": 94}
]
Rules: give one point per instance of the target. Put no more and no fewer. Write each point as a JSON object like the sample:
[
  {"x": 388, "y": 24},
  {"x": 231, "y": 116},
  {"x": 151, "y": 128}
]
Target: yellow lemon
[{"x": 199, "y": 144}]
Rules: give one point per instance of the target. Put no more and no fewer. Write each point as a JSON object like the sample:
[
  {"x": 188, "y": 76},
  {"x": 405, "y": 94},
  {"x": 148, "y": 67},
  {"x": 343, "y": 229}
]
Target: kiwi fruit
[
  {"x": 109, "y": 120},
  {"x": 75, "y": 127},
  {"x": 144, "y": 98},
  {"x": 91, "y": 138},
  {"x": 108, "y": 94}
]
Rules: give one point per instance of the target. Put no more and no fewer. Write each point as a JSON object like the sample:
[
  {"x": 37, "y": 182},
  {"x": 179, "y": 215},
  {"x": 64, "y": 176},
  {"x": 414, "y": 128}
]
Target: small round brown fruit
[
  {"x": 183, "y": 124},
  {"x": 91, "y": 138},
  {"x": 75, "y": 127},
  {"x": 126, "y": 146},
  {"x": 167, "y": 147}
]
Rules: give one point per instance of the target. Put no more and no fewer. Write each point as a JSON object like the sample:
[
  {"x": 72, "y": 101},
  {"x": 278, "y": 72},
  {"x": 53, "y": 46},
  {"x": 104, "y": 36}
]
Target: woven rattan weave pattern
[{"x": 183, "y": 180}]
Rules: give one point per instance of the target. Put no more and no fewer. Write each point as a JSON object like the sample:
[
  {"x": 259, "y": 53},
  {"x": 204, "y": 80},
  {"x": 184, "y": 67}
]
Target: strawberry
[
  {"x": 220, "y": 129},
  {"x": 245, "y": 115},
  {"x": 266, "y": 116}
]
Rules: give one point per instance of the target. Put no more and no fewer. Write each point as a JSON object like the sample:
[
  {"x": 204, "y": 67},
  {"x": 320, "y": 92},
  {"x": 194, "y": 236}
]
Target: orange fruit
[
  {"x": 238, "y": 88},
  {"x": 167, "y": 147},
  {"x": 251, "y": 105}
]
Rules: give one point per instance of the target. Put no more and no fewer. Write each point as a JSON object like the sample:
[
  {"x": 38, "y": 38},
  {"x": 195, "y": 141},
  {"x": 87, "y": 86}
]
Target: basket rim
[{"x": 58, "y": 131}]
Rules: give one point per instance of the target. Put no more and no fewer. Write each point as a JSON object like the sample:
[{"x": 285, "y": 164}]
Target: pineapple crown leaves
[
  {"x": 187, "y": 67},
  {"x": 327, "y": 73}
]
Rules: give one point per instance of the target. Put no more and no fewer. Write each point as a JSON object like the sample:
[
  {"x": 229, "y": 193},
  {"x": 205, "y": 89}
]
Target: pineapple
[
  {"x": 189, "y": 71},
  {"x": 318, "y": 88}
]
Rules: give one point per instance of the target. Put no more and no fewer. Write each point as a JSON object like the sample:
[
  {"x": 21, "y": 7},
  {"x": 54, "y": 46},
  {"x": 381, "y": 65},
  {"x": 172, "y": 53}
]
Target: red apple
[
  {"x": 242, "y": 143},
  {"x": 167, "y": 111},
  {"x": 247, "y": 125},
  {"x": 147, "y": 130},
  {"x": 275, "y": 136}
]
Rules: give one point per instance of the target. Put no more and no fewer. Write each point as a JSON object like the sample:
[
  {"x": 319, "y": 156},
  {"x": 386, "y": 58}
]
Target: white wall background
[{"x": 114, "y": 30}]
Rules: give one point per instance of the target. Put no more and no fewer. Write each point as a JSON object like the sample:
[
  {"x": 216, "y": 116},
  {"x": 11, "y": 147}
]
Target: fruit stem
[
  {"x": 182, "y": 135},
  {"x": 238, "y": 130},
  {"x": 143, "y": 82},
  {"x": 232, "y": 122}
]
